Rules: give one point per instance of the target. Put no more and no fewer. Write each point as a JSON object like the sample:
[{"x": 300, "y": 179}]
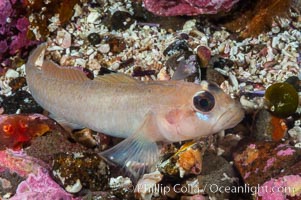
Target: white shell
[{"x": 76, "y": 187}]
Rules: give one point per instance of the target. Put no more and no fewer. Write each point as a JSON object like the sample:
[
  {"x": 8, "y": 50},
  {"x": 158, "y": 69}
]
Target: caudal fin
[{"x": 36, "y": 57}]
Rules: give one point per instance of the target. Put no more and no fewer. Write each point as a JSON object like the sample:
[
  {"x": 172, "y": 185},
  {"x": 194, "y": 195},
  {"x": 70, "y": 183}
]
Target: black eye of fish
[{"x": 204, "y": 101}]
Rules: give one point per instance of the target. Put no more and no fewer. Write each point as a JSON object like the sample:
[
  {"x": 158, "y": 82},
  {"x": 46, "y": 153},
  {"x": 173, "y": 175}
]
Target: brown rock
[
  {"x": 9, "y": 182},
  {"x": 46, "y": 146},
  {"x": 261, "y": 161},
  {"x": 77, "y": 170},
  {"x": 213, "y": 175}
]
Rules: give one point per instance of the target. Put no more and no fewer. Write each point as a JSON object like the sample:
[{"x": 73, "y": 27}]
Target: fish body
[{"x": 120, "y": 106}]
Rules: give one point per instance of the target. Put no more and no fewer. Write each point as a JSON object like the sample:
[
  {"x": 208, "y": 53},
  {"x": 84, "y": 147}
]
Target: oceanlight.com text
[
  {"x": 246, "y": 188},
  {"x": 213, "y": 188}
]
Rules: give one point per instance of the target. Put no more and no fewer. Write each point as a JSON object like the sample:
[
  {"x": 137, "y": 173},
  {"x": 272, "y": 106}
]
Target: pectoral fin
[{"x": 137, "y": 154}]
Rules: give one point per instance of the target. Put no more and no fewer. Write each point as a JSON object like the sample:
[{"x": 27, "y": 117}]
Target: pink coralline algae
[
  {"x": 286, "y": 152},
  {"x": 247, "y": 175},
  {"x": 280, "y": 188},
  {"x": 18, "y": 162},
  {"x": 270, "y": 163},
  {"x": 13, "y": 30},
  {"x": 188, "y": 7},
  {"x": 40, "y": 186},
  {"x": 5, "y": 11}
]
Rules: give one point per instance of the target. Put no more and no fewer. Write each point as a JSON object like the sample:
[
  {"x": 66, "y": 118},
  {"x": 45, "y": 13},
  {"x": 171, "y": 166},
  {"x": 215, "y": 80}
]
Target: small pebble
[
  {"x": 282, "y": 99},
  {"x": 11, "y": 74},
  {"x": 117, "y": 44},
  {"x": 85, "y": 137},
  {"x": 178, "y": 45},
  {"x": 294, "y": 81},
  {"x": 203, "y": 55},
  {"x": 121, "y": 20},
  {"x": 17, "y": 83},
  {"x": 104, "y": 48},
  {"x": 94, "y": 38}
]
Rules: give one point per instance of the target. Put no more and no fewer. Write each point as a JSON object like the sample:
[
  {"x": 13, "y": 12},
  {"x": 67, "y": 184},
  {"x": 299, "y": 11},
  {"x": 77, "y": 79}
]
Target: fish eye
[{"x": 204, "y": 101}]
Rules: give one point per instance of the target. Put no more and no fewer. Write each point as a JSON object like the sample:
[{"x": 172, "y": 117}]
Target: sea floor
[{"x": 259, "y": 158}]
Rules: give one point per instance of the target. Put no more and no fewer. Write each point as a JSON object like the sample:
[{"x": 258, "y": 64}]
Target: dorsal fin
[
  {"x": 116, "y": 78},
  {"x": 53, "y": 70}
]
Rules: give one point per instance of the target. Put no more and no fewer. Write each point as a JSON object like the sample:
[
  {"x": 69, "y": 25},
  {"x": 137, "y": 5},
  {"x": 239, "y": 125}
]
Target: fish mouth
[{"x": 229, "y": 118}]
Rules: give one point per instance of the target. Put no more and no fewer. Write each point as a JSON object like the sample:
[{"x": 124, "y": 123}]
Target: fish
[
  {"x": 145, "y": 113},
  {"x": 19, "y": 129}
]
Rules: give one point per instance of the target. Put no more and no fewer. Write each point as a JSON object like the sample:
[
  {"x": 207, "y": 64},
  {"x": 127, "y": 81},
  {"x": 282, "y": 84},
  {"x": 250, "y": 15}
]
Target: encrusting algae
[{"x": 17, "y": 130}]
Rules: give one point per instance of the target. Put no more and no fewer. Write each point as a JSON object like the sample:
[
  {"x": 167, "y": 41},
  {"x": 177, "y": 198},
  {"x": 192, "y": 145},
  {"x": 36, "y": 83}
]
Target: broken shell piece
[
  {"x": 147, "y": 185},
  {"x": 187, "y": 160},
  {"x": 63, "y": 39},
  {"x": 76, "y": 187},
  {"x": 163, "y": 75},
  {"x": 120, "y": 182},
  {"x": 184, "y": 66},
  {"x": 85, "y": 137},
  {"x": 92, "y": 17},
  {"x": 121, "y": 187}
]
